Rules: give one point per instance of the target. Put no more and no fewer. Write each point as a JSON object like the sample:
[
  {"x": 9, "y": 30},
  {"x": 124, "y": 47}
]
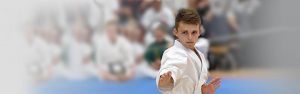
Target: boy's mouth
[{"x": 189, "y": 42}]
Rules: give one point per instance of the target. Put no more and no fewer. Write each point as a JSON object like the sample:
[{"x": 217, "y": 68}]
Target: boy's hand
[
  {"x": 166, "y": 80},
  {"x": 212, "y": 86}
]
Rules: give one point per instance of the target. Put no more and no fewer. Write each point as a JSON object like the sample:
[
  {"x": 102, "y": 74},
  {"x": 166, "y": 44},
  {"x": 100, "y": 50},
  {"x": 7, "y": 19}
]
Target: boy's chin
[{"x": 190, "y": 46}]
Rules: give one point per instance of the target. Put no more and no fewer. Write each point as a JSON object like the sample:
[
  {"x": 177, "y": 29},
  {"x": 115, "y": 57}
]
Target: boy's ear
[{"x": 174, "y": 31}]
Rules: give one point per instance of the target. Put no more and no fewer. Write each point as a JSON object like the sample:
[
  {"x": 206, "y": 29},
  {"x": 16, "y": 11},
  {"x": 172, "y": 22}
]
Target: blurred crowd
[{"x": 118, "y": 40}]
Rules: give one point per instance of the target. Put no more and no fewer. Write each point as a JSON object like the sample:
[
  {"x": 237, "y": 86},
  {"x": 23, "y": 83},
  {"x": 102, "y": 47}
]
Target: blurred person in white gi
[
  {"x": 46, "y": 51},
  {"x": 38, "y": 55},
  {"x": 115, "y": 59},
  {"x": 79, "y": 53},
  {"x": 135, "y": 34},
  {"x": 183, "y": 67}
]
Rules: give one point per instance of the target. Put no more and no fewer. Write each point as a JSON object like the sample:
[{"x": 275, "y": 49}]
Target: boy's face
[{"x": 187, "y": 34}]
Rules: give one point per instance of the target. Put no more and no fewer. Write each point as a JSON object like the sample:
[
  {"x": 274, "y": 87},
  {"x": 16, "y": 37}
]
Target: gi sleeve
[{"x": 175, "y": 62}]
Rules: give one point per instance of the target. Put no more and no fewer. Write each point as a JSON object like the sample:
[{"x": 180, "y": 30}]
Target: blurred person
[
  {"x": 135, "y": 34},
  {"x": 36, "y": 53},
  {"x": 155, "y": 50},
  {"x": 157, "y": 13},
  {"x": 79, "y": 53},
  {"x": 47, "y": 51},
  {"x": 183, "y": 68},
  {"x": 54, "y": 36},
  {"x": 115, "y": 60},
  {"x": 222, "y": 28},
  {"x": 45, "y": 43}
]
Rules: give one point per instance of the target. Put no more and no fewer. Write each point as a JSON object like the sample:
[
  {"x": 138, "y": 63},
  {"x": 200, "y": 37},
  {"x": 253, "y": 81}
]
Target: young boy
[{"x": 184, "y": 68}]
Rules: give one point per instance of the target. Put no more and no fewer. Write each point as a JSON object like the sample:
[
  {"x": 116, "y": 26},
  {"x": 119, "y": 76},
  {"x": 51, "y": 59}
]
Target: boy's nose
[{"x": 190, "y": 36}]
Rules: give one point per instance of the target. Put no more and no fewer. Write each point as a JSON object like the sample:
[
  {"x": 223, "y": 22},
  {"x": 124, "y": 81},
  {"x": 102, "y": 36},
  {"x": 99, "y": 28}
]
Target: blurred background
[{"x": 115, "y": 46}]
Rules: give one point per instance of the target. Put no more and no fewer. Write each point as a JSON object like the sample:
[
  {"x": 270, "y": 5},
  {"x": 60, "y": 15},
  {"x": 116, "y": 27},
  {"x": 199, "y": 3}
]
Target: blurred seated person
[
  {"x": 78, "y": 54},
  {"x": 45, "y": 53},
  {"x": 134, "y": 32},
  {"x": 222, "y": 28},
  {"x": 156, "y": 49},
  {"x": 114, "y": 55}
]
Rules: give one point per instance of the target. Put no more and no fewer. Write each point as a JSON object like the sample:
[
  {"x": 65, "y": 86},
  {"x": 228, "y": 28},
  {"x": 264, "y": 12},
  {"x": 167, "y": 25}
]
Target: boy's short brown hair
[{"x": 188, "y": 16}]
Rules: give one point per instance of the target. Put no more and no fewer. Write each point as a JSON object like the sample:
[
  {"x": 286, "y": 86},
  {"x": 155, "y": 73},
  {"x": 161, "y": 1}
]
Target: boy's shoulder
[{"x": 175, "y": 51}]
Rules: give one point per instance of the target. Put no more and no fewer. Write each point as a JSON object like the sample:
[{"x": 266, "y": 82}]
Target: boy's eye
[
  {"x": 184, "y": 32},
  {"x": 194, "y": 32}
]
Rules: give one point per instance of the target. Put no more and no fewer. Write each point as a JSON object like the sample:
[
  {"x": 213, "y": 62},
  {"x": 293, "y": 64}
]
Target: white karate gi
[
  {"x": 108, "y": 53},
  {"x": 188, "y": 71}
]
